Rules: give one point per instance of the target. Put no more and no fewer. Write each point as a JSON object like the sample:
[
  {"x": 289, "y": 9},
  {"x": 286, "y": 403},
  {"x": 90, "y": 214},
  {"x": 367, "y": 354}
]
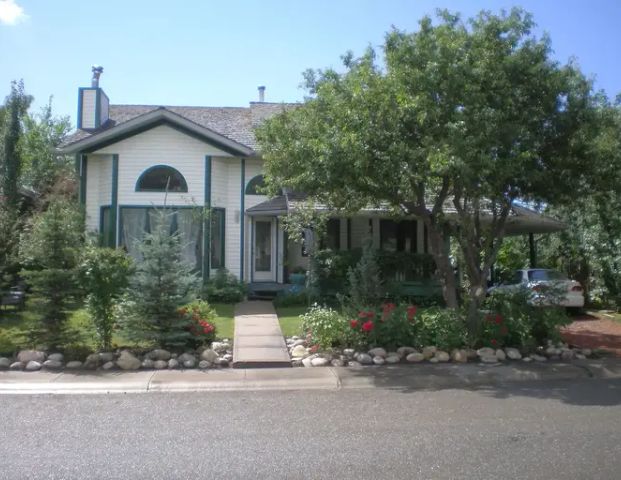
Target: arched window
[
  {"x": 161, "y": 178},
  {"x": 254, "y": 185}
]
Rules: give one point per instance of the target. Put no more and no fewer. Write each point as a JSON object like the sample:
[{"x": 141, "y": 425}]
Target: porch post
[
  {"x": 207, "y": 221},
  {"x": 114, "y": 203},
  {"x": 242, "y": 218},
  {"x": 533, "y": 250}
]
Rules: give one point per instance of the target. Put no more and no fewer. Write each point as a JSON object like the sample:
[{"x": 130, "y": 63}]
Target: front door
[{"x": 264, "y": 251}]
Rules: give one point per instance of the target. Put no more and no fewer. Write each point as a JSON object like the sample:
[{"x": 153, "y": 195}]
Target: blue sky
[{"x": 218, "y": 52}]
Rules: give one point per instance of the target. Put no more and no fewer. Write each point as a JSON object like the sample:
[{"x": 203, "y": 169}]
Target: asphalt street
[{"x": 548, "y": 430}]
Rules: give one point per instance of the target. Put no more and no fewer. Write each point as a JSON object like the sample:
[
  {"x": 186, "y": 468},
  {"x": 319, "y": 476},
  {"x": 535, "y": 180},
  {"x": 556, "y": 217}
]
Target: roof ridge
[{"x": 172, "y": 106}]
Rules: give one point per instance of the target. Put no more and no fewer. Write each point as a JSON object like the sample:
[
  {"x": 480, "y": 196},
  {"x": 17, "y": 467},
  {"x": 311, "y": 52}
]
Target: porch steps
[
  {"x": 265, "y": 290},
  {"x": 258, "y": 340}
]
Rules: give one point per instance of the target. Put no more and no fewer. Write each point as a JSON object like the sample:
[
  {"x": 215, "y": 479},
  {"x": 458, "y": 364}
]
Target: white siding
[
  {"x": 234, "y": 216},
  {"x": 93, "y": 178},
  {"x": 162, "y": 146},
  {"x": 104, "y": 108},
  {"x": 88, "y": 108}
]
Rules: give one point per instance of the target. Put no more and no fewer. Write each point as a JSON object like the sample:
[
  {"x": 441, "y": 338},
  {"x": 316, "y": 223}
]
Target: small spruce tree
[
  {"x": 365, "y": 286},
  {"x": 161, "y": 284}
]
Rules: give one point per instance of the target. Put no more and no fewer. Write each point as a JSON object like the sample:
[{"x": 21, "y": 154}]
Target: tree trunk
[{"x": 440, "y": 252}]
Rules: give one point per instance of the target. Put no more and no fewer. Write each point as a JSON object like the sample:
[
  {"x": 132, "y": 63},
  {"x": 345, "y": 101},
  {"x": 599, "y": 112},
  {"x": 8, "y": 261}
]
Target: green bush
[
  {"x": 50, "y": 249},
  {"x": 288, "y": 299},
  {"x": 513, "y": 319},
  {"x": 445, "y": 328},
  {"x": 325, "y": 327},
  {"x": 200, "y": 318},
  {"x": 224, "y": 287},
  {"x": 162, "y": 283},
  {"x": 104, "y": 275}
]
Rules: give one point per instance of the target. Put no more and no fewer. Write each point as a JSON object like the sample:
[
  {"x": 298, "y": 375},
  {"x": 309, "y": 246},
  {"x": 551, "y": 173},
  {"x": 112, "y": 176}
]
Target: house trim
[
  {"x": 81, "y": 160},
  {"x": 242, "y": 218},
  {"x": 207, "y": 221},
  {"x": 114, "y": 203}
]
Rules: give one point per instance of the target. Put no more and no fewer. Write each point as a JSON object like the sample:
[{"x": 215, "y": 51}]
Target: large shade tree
[{"x": 460, "y": 120}]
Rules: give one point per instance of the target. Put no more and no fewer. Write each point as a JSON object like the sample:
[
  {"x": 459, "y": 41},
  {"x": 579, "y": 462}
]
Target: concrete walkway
[
  {"x": 394, "y": 377},
  {"x": 258, "y": 341}
]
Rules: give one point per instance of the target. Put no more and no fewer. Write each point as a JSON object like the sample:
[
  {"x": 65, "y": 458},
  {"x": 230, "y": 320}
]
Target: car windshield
[
  {"x": 543, "y": 275},
  {"x": 514, "y": 279}
]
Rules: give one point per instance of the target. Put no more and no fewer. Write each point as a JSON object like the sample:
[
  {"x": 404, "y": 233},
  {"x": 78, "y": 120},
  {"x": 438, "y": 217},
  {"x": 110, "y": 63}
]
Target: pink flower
[
  {"x": 353, "y": 323},
  {"x": 411, "y": 311}
]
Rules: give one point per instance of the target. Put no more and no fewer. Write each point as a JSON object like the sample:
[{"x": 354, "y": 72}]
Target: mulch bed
[{"x": 590, "y": 331}]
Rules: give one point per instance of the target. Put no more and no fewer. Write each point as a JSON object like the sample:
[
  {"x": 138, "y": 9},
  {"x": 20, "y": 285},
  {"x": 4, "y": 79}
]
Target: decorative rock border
[
  {"x": 304, "y": 356},
  {"x": 220, "y": 355}
]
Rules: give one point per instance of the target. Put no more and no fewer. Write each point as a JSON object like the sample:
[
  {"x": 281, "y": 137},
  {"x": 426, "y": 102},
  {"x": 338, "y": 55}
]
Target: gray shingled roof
[{"x": 235, "y": 123}]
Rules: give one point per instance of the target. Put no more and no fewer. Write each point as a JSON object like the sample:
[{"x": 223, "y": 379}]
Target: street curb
[{"x": 400, "y": 377}]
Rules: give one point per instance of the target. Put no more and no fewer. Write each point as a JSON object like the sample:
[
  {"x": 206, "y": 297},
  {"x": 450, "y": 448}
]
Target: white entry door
[{"x": 264, "y": 250}]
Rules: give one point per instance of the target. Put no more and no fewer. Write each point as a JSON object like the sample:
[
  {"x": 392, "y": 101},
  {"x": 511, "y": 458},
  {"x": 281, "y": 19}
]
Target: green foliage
[
  {"x": 9, "y": 240},
  {"x": 50, "y": 250},
  {"x": 42, "y": 166},
  {"x": 288, "y": 299},
  {"x": 442, "y": 327},
  {"x": 162, "y": 282},
  {"x": 325, "y": 327},
  {"x": 200, "y": 318},
  {"x": 224, "y": 287},
  {"x": 365, "y": 285},
  {"x": 467, "y": 114},
  {"x": 514, "y": 319},
  {"x": 104, "y": 276},
  {"x": 16, "y": 106}
]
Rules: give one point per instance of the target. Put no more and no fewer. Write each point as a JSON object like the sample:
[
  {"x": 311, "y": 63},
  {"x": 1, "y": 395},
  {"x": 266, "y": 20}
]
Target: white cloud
[{"x": 11, "y": 13}]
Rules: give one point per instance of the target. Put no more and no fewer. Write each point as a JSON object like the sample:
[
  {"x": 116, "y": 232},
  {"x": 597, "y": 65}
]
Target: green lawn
[
  {"x": 290, "y": 321},
  {"x": 224, "y": 321}
]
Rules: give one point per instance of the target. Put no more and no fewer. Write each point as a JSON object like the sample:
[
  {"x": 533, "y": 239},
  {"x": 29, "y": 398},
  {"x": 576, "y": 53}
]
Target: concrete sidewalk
[
  {"x": 399, "y": 377},
  {"x": 258, "y": 341}
]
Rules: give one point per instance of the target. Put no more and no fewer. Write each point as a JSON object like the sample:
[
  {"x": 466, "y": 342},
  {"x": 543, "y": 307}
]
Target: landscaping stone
[
  {"x": 459, "y": 356},
  {"x": 297, "y": 363},
  {"x": 74, "y": 365},
  {"x": 489, "y": 359},
  {"x": 349, "y": 352},
  {"x": 56, "y": 357},
  {"x": 298, "y": 351},
  {"x": 53, "y": 364},
  {"x": 393, "y": 358},
  {"x": 377, "y": 360},
  {"x": 486, "y": 352},
  {"x": 527, "y": 359},
  {"x": 4, "y": 363},
  {"x": 26, "y": 356},
  {"x": 228, "y": 357},
  {"x": 33, "y": 366},
  {"x": 320, "y": 362},
  {"x": 337, "y": 362},
  {"x": 538, "y": 358},
  {"x": 127, "y": 361},
  {"x": 354, "y": 363},
  {"x": 190, "y": 363},
  {"x": 580, "y": 356},
  {"x": 221, "y": 362},
  {"x": 501, "y": 355},
  {"x": 405, "y": 351},
  {"x": 160, "y": 364},
  {"x": 159, "y": 354},
  {"x": 204, "y": 364},
  {"x": 184, "y": 357},
  {"x": 434, "y": 360},
  {"x": 587, "y": 352},
  {"x": 513, "y": 353},
  {"x": 173, "y": 363},
  {"x": 364, "y": 359},
  {"x": 471, "y": 353},
  {"x": 105, "y": 357},
  {"x": 109, "y": 366},
  {"x": 429, "y": 352},
  {"x": 307, "y": 362},
  {"x": 442, "y": 356},
  {"x": 220, "y": 347},
  {"x": 297, "y": 343},
  {"x": 552, "y": 351},
  {"x": 16, "y": 366},
  {"x": 210, "y": 355},
  {"x": 147, "y": 363},
  {"x": 378, "y": 352},
  {"x": 92, "y": 361},
  {"x": 415, "y": 357},
  {"x": 567, "y": 355}
]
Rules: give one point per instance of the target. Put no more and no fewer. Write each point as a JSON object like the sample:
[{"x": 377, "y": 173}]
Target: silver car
[{"x": 541, "y": 281}]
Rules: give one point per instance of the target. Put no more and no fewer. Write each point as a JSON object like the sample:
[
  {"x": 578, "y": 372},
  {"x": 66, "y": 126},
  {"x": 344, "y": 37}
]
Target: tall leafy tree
[
  {"x": 16, "y": 106},
  {"x": 460, "y": 120},
  {"x": 42, "y": 166}
]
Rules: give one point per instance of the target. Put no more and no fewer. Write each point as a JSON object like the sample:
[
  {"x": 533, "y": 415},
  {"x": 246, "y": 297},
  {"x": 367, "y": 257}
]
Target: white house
[{"x": 134, "y": 158}]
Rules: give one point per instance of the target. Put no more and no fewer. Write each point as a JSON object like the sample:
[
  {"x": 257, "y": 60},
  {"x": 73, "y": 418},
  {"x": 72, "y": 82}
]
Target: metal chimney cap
[
  {"x": 97, "y": 69},
  {"x": 261, "y": 89}
]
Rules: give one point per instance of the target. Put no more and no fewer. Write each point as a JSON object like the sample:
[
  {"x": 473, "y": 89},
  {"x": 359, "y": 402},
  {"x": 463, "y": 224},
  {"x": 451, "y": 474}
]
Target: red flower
[
  {"x": 504, "y": 330},
  {"x": 389, "y": 307},
  {"x": 498, "y": 319},
  {"x": 411, "y": 311},
  {"x": 314, "y": 348},
  {"x": 366, "y": 314},
  {"x": 367, "y": 326},
  {"x": 353, "y": 323},
  {"x": 493, "y": 341}
]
